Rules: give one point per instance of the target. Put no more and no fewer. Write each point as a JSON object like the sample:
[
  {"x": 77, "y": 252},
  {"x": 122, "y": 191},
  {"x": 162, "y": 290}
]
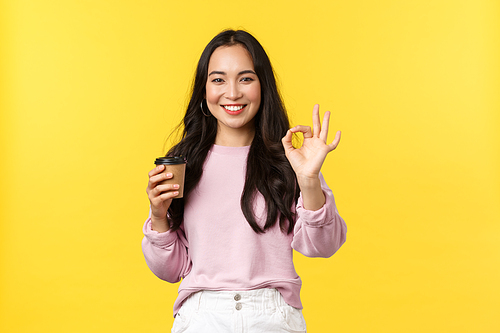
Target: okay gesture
[{"x": 307, "y": 160}]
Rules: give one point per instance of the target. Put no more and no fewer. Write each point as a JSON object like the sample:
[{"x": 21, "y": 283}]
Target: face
[{"x": 233, "y": 91}]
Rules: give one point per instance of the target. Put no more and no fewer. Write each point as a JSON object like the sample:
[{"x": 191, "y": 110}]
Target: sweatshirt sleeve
[
  {"x": 166, "y": 253},
  {"x": 322, "y": 232}
]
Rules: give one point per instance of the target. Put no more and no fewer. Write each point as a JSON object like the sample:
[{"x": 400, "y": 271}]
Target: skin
[
  {"x": 307, "y": 160},
  {"x": 232, "y": 81}
]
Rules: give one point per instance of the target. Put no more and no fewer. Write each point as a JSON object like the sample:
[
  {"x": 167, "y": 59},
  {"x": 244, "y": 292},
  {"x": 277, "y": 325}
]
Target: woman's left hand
[{"x": 307, "y": 160}]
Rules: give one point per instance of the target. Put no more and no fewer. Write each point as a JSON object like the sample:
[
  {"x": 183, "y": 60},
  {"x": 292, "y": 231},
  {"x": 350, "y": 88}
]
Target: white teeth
[{"x": 233, "y": 108}]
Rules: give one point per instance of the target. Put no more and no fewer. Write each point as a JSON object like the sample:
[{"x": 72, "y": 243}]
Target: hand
[
  {"x": 307, "y": 160},
  {"x": 160, "y": 197}
]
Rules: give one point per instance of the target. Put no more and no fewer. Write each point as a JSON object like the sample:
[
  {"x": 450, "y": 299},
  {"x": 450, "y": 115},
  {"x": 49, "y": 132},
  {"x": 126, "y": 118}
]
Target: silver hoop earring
[{"x": 201, "y": 107}]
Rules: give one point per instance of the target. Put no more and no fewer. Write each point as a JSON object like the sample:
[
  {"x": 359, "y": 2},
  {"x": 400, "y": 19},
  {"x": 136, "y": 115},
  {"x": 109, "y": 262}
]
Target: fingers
[
  {"x": 159, "y": 178},
  {"x": 319, "y": 130},
  {"x": 157, "y": 190},
  {"x": 156, "y": 170},
  {"x": 162, "y": 193},
  {"x": 324, "y": 129},
  {"x": 287, "y": 141},
  {"x": 161, "y": 203},
  {"x": 305, "y": 130},
  {"x": 157, "y": 175},
  {"x": 316, "y": 121},
  {"x": 156, "y": 201},
  {"x": 336, "y": 141}
]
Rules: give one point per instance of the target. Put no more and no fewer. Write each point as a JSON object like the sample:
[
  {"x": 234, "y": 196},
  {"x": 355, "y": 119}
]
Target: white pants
[{"x": 259, "y": 311}]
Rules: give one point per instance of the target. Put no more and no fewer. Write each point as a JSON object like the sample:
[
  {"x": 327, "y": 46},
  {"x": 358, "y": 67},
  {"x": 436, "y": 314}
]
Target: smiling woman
[
  {"x": 250, "y": 197},
  {"x": 233, "y": 95}
]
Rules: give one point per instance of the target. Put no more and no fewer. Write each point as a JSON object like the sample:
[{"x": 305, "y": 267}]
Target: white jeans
[{"x": 259, "y": 311}]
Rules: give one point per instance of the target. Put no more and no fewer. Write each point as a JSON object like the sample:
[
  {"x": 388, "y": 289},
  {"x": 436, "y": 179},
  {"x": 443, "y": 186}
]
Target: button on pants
[{"x": 253, "y": 311}]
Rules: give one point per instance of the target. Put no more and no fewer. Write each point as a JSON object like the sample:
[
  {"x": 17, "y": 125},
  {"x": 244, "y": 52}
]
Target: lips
[{"x": 234, "y": 109}]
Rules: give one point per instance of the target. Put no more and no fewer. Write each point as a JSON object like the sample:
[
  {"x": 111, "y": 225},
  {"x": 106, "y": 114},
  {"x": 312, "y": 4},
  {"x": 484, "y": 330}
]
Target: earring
[{"x": 201, "y": 107}]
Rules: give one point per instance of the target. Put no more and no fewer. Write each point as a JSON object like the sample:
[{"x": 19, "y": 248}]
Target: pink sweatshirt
[{"x": 216, "y": 249}]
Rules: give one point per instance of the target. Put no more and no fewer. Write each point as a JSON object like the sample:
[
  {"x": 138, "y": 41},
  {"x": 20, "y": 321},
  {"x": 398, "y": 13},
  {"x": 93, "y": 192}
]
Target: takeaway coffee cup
[{"x": 176, "y": 165}]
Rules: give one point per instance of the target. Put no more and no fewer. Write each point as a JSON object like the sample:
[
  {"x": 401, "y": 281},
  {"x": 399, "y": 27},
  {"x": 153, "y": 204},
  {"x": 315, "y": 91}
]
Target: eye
[
  {"x": 217, "y": 80},
  {"x": 247, "y": 79}
]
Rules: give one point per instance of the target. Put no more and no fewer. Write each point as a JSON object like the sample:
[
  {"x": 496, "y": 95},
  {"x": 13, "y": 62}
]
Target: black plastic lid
[{"x": 170, "y": 160}]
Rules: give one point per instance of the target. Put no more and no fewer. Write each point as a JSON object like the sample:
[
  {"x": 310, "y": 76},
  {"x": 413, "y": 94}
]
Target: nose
[{"x": 233, "y": 91}]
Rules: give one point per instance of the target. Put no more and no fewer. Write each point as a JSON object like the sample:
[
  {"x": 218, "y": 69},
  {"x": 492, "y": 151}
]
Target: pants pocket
[
  {"x": 181, "y": 320},
  {"x": 292, "y": 319}
]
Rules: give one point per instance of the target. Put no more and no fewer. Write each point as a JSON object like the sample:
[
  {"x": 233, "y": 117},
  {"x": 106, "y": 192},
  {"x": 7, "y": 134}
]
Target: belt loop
[
  {"x": 200, "y": 300},
  {"x": 197, "y": 300}
]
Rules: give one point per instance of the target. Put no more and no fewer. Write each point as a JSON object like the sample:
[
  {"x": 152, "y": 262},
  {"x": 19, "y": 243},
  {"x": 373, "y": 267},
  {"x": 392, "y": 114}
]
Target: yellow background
[{"x": 91, "y": 89}]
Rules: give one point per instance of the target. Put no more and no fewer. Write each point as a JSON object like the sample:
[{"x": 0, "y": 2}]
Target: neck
[{"x": 234, "y": 138}]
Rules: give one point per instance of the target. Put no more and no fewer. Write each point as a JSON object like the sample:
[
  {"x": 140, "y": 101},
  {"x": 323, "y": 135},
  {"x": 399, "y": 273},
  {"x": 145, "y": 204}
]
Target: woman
[{"x": 250, "y": 197}]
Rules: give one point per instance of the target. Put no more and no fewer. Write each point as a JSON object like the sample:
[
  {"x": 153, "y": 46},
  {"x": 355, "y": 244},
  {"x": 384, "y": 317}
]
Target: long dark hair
[{"x": 268, "y": 170}]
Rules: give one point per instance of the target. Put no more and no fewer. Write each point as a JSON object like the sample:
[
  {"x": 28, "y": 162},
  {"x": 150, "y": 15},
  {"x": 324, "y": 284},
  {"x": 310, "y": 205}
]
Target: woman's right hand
[{"x": 160, "y": 197}]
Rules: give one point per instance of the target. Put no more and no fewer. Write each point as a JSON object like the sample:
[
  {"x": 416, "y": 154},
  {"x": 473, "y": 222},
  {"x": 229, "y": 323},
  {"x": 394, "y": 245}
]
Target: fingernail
[
  {"x": 169, "y": 175},
  {"x": 176, "y": 186}
]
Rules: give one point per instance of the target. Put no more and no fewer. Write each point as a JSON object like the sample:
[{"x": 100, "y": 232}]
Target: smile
[{"x": 233, "y": 108}]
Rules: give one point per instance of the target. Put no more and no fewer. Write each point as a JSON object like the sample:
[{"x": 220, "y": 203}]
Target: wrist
[
  {"x": 313, "y": 197},
  {"x": 160, "y": 224},
  {"x": 308, "y": 182}
]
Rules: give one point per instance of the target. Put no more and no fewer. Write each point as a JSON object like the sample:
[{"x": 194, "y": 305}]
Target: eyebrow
[{"x": 248, "y": 71}]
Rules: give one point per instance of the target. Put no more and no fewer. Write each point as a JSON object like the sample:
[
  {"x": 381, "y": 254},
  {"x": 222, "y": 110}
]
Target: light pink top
[{"x": 216, "y": 249}]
